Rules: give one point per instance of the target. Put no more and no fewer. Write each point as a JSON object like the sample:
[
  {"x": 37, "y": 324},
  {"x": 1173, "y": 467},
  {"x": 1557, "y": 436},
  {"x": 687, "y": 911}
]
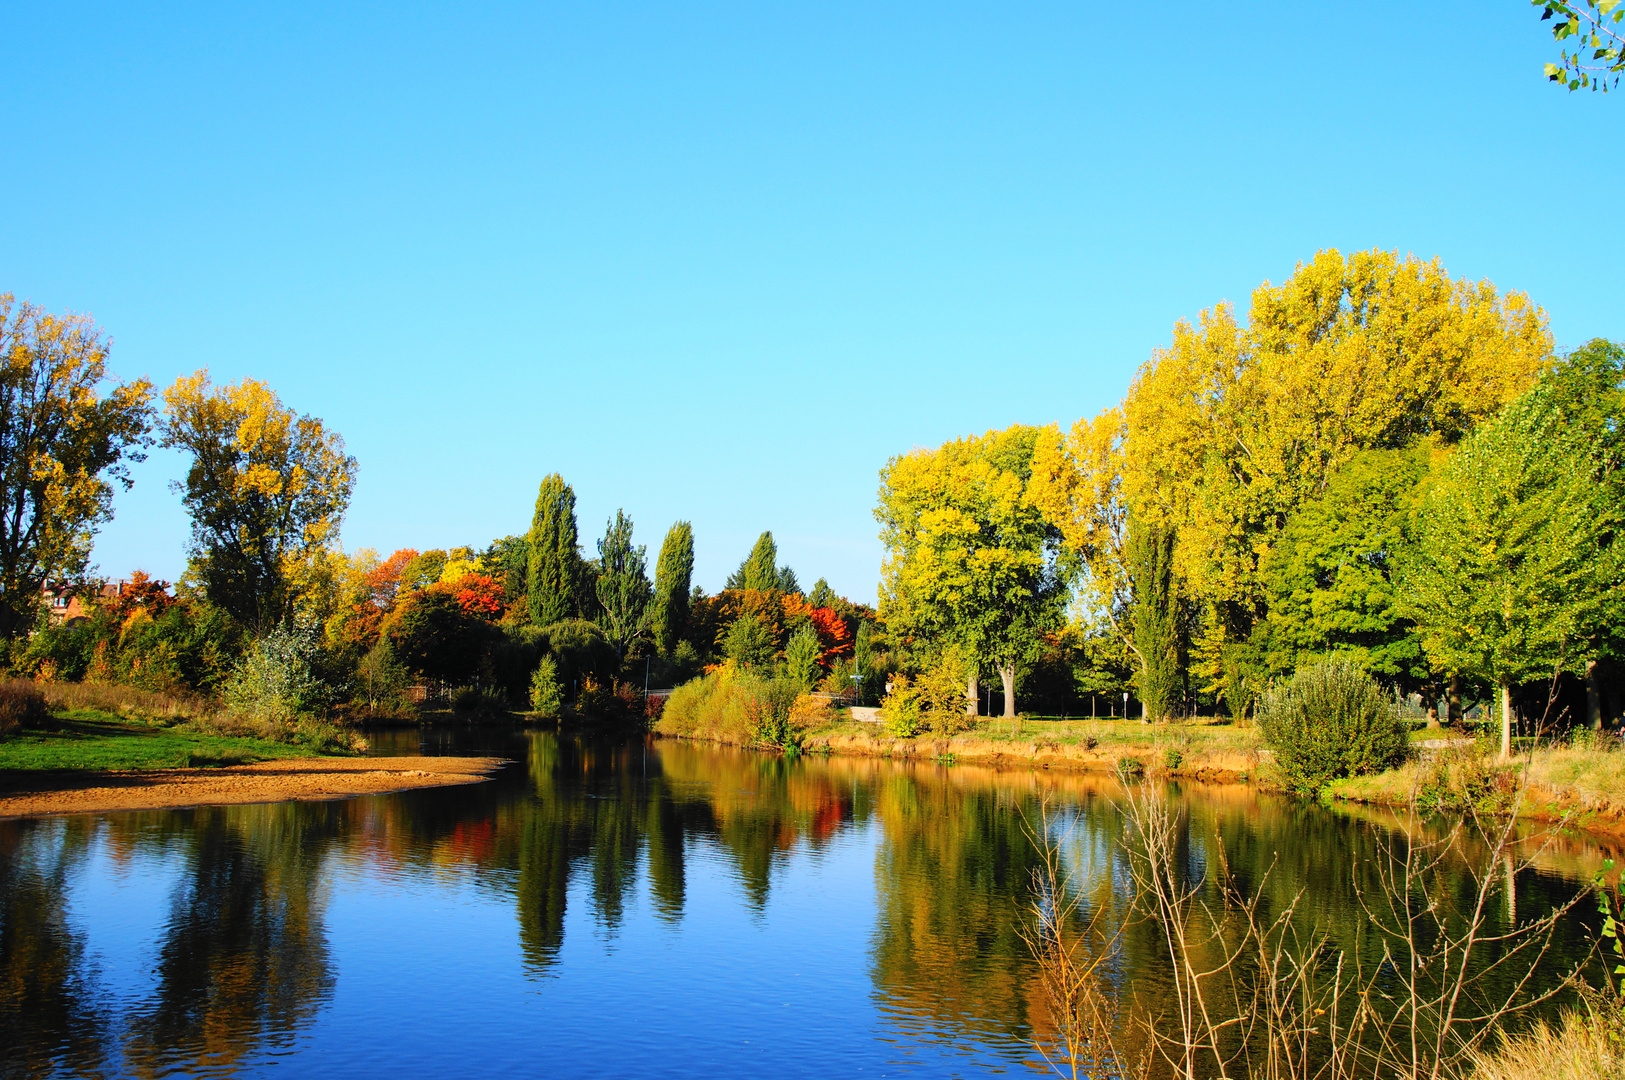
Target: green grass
[{"x": 92, "y": 739}]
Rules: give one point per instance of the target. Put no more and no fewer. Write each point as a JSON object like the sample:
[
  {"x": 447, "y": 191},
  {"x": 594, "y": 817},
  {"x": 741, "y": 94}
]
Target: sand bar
[{"x": 34, "y": 794}]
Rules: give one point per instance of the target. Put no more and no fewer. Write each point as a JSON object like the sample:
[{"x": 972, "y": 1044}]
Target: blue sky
[{"x": 720, "y": 261}]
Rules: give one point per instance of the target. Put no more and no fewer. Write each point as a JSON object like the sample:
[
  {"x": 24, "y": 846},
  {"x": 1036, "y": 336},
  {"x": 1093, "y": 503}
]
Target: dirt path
[{"x": 33, "y": 794}]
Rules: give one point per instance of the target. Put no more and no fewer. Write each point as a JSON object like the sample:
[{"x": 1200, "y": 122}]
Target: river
[{"x": 630, "y": 908}]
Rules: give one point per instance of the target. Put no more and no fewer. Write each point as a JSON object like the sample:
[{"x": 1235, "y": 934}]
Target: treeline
[
  {"x": 1381, "y": 463},
  {"x": 276, "y": 619}
]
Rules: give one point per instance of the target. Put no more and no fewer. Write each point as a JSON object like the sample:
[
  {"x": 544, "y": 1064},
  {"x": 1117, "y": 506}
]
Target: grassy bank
[
  {"x": 1219, "y": 751},
  {"x": 1585, "y": 785},
  {"x": 97, "y": 740},
  {"x": 101, "y": 727}
]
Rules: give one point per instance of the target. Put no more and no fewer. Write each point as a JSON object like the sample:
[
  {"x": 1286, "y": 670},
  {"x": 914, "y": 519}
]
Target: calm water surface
[{"x": 604, "y": 909}]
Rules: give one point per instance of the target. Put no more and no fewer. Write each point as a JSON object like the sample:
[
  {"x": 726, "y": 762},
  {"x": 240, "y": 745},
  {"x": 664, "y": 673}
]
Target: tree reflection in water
[
  {"x": 51, "y": 1014},
  {"x": 243, "y": 962},
  {"x": 243, "y": 966}
]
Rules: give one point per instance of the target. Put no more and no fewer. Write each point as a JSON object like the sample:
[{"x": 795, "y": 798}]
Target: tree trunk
[
  {"x": 1506, "y": 721},
  {"x": 1593, "y": 698},
  {"x": 1453, "y": 703},
  {"x": 1008, "y": 676},
  {"x": 972, "y": 697}
]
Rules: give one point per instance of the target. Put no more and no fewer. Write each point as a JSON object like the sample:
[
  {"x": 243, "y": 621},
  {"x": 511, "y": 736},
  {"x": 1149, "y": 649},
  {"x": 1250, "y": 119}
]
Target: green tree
[
  {"x": 822, "y": 595},
  {"x": 551, "y": 578},
  {"x": 434, "y": 637},
  {"x": 760, "y": 569},
  {"x": 546, "y": 695},
  {"x": 749, "y": 642},
  {"x": 508, "y": 561},
  {"x": 1329, "y": 581},
  {"x": 970, "y": 560},
  {"x": 674, "y": 574},
  {"x": 785, "y": 581},
  {"x": 1235, "y": 426},
  {"x": 801, "y": 657},
  {"x": 266, "y": 491},
  {"x": 1514, "y": 569},
  {"x": 1156, "y": 644},
  {"x": 62, "y": 438},
  {"x": 623, "y": 583}
]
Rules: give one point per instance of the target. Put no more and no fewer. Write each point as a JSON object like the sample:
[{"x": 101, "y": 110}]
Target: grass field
[{"x": 94, "y": 739}]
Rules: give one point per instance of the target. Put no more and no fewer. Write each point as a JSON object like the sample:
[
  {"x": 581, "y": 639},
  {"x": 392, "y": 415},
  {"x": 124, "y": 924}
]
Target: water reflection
[
  {"x": 938, "y": 877},
  {"x": 49, "y": 1008}
]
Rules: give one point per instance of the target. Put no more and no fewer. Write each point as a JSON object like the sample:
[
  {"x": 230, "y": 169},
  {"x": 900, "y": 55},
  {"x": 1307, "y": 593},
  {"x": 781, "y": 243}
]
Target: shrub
[
  {"x": 473, "y": 701},
  {"x": 1332, "y": 720},
  {"x": 808, "y": 711},
  {"x": 765, "y": 705},
  {"x": 1128, "y": 767},
  {"x": 546, "y": 696},
  {"x": 594, "y": 697},
  {"x": 736, "y": 706},
  {"x": 21, "y": 703},
  {"x": 900, "y": 710},
  {"x": 1172, "y": 758},
  {"x": 942, "y": 695},
  {"x": 277, "y": 680}
]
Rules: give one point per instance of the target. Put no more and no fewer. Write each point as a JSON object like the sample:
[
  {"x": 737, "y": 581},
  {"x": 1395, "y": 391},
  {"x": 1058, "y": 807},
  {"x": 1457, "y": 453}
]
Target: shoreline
[
  {"x": 1541, "y": 805},
  {"x": 26, "y": 794}
]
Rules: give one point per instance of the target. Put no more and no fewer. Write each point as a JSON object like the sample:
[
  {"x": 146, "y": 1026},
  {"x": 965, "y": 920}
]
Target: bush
[
  {"x": 277, "y": 680},
  {"x": 736, "y": 706},
  {"x": 942, "y": 695},
  {"x": 900, "y": 710},
  {"x": 21, "y": 704},
  {"x": 1331, "y": 721},
  {"x": 472, "y": 701},
  {"x": 546, "y": 696}
]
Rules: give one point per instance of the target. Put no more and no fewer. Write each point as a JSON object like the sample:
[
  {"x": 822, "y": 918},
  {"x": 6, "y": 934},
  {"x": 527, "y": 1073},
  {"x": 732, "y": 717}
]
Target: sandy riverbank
[{"x": 34, "y": 794}]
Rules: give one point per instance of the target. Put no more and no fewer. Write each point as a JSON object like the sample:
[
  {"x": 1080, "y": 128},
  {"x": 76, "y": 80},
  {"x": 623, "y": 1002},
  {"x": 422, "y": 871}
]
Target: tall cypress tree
[
  {"x": 550, "y": 585},
  {"x": 673, "y": 576},
  {"x": 761, "y": 571}
]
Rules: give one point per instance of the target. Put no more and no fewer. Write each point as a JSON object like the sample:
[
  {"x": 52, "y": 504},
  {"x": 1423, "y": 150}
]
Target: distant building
[{"x": 72, "y": 605}]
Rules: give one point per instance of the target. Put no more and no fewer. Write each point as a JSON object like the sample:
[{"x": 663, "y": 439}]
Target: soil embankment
[{"x": 34, "y": 794}]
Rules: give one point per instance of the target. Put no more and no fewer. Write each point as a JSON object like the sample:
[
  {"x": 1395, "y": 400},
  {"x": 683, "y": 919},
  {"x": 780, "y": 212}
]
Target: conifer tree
[
  {"x": 822, "y": 595},
  {"x": 623, "y": 583},
  {"x": 760, "y": 570},
  {"x": 550, "y": 584},
  {"x": 673, "y": 576}
]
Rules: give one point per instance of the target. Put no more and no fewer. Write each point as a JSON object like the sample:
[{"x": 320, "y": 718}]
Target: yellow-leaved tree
[
  {"x": 63, "y": 437},
  {"x": 1226, "y": 433},
  {"x": 267, "y": 490},
  {"x": 970, "y": 559}
]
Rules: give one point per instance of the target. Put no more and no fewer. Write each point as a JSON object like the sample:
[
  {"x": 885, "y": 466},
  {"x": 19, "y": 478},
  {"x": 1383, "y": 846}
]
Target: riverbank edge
[
  {"x": 28, "y": 794},
  {"x": 1540, "y": 805}
]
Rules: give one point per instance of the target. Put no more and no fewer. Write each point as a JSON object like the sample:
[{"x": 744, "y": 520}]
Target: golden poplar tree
[
  {"x": 267, "y": 490},
  {"x": 62, "y": 439},
  {"x": 1234, "y": 426}
]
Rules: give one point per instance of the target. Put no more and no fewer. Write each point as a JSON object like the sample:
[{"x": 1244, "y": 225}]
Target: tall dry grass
[
  {"x": 1583, "y": 1046},
  {"x": 1256, "y": 991},
  {"x": 191, "y": 712}
]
